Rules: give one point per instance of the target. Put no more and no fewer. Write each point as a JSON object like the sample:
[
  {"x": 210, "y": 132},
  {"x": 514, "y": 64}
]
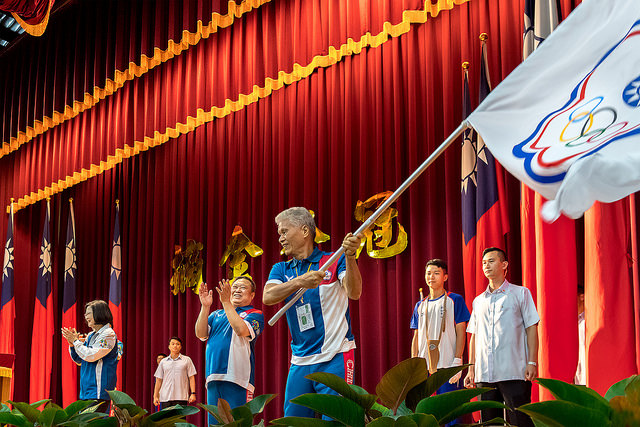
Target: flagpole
[{"x": 383, "y": 207}]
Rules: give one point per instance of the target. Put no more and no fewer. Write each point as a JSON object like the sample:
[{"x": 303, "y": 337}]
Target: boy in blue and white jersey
[
  {"x": 427, "y": 321},
  {"x": 230, "y": 334},
  {"x": 319, "y": 322}
]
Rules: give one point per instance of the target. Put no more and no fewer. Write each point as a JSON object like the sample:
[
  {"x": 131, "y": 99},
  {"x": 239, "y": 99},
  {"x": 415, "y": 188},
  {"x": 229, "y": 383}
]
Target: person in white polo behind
[{"x": 175, "y": 378}]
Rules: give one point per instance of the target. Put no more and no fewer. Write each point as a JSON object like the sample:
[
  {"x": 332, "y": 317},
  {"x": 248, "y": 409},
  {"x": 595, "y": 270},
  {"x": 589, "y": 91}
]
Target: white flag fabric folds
[{"x": 566, "y": 122}]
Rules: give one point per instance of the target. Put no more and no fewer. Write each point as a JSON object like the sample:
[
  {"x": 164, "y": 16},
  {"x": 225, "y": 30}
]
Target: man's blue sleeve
[
  {"x": 277, "y": 273},
  {"x": 415, "y": 316},
  {"x": 460, "y": 310},
  {"x": 256, "y": 320}
]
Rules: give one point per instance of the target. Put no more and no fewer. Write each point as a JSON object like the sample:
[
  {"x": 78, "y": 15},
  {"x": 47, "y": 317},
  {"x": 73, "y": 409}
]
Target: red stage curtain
[
  {"x": 90, "y": 49},
  {"x": 609, "y": 296}
]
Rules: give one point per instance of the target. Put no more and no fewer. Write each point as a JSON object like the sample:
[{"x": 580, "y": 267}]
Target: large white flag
[{"x": 566, "y": 122}]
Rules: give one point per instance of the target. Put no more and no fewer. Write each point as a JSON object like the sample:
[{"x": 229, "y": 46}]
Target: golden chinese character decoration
[
  {"x": 320, "y": 235},
  {"x": 187, "y": 268},
  {"x": 235, "y": 253},
  {"x": 381, "y": 232}
]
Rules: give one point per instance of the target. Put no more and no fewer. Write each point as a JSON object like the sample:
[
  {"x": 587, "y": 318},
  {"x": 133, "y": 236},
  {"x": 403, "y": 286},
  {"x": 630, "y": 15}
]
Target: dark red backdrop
[{"x": 341, "y": 135}]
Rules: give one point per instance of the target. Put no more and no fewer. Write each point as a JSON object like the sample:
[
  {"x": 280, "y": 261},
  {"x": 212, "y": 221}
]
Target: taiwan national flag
[
  {"x": 483, "y": 221},
  {"x": 115, "y": 288},
  {"x": 7, "y": 302},
  {"x": 42, "y": 336},
  {"x": 69, "y": 375}
]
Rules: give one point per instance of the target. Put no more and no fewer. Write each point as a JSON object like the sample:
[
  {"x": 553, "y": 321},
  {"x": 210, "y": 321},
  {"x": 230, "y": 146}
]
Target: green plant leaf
[
  {"x": 104, "y": 422},
  {"x": 337, "y": 407},
  {"x": 577, "y": 394},
  {"x": 132, "y": 409},
  {"x": 442, "y": 404},
  {"x": 52, "y": 415},
  {"x": 492, "y": 422},
  {"x": 244, "y": 415},
  {"x": 166, "y": 421},
  {"x": 39, "y": 402},
  {"x": 258, "y": 403},
  {"x": 338, "y": 384},
  {"x": 564, "y": 413},
  {"x": 120, "y": 398},
  {"x": 177, "y": 411},
  {"x": 185, "y": 425},
  {"x": 211, "y": 409},
  {"x": 625, "y": 413},
  {"x": 86, "y": 417},
  {"x": 14, "y": 419},
  {"x": 30, "y": 412},
  {"x": 305, "y": 422},
  {"x": 224, "y": 410},
  {"x": 431, "y": 385},
  {"x": 382, "y": 422},
  {"x": 396, "y": 383},
  {"x": 618, "y": 388},
  {"x": 469, "y": 407},
  {"x": 78, "y": 406},
  {"x": 424, "y": 420}
]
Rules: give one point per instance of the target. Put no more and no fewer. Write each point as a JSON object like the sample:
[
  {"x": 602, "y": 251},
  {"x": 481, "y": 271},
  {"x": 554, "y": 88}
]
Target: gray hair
[{"x": 298, "y": 216}]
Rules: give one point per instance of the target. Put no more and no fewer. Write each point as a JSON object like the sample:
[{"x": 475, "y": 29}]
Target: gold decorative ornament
[
  {"x": 234, "y": 253},
  {"x": 382, "y": 231},
  {"x": 187, "y": 268}
]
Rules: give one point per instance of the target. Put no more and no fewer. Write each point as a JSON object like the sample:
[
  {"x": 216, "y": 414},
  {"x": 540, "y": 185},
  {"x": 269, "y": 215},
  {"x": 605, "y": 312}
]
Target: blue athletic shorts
[{"x": 341, "y": 365}]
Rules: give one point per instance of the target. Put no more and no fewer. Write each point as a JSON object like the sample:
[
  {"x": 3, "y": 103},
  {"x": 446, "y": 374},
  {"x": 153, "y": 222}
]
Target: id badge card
[{"x": 305, "y": 317}]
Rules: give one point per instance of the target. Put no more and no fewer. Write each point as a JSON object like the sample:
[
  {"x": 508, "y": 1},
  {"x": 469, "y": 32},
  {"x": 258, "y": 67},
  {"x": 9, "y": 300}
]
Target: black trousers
[
  {"x": 164, "y": 405},
  {"x": 513, "y": 393}
]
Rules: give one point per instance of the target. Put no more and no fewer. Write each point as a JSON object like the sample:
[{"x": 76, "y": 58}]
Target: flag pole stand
[{"x": 383, "y": 207}]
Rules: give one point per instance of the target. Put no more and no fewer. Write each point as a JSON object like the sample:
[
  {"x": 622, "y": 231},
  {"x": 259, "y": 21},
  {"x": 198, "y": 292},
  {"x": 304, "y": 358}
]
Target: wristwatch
[{"x": 532, "y": 363}]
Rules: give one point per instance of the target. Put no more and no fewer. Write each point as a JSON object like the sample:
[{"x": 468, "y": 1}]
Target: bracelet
[
  {"x": 532, "y": 363},
  {"x": 193, "y": 392}
]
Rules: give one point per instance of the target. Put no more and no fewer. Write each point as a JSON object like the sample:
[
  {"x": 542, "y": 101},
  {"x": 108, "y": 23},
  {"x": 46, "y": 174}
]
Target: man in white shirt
[
  {"x": 504, "y": 341},
  {"x": 175, "y": 378}
]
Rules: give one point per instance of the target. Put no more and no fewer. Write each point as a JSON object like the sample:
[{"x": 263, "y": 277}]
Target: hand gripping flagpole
[{"x": 383, "y": 207}]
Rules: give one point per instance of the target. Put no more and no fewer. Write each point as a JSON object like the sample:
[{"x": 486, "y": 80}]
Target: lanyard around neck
[
  {"x": 298, "y": 274},
  {"x": 444, "y": 315}
]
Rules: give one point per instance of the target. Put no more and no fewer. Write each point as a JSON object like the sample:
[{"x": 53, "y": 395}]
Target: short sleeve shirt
[
  {"x": 457, "y": 312},
  {"x": 175, "y": 374},
  {"x": 319, "y": 322},
  {"x": 229, "y": 356},
  {"x": 498, "y": 321}
]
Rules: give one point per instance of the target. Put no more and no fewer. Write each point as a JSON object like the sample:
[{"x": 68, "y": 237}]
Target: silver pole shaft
[{"x": 383, "y": 207}]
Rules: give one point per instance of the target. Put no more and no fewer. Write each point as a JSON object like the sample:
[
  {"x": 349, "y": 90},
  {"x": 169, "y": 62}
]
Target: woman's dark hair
[{"x": 101, "y": 312}]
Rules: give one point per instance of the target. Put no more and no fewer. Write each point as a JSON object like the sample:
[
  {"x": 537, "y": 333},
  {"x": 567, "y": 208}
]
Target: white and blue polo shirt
[
  {"x": 230, "y": 357},
  {"x": 329, "y": 333},
  {"x": 434, "y": 310}
]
